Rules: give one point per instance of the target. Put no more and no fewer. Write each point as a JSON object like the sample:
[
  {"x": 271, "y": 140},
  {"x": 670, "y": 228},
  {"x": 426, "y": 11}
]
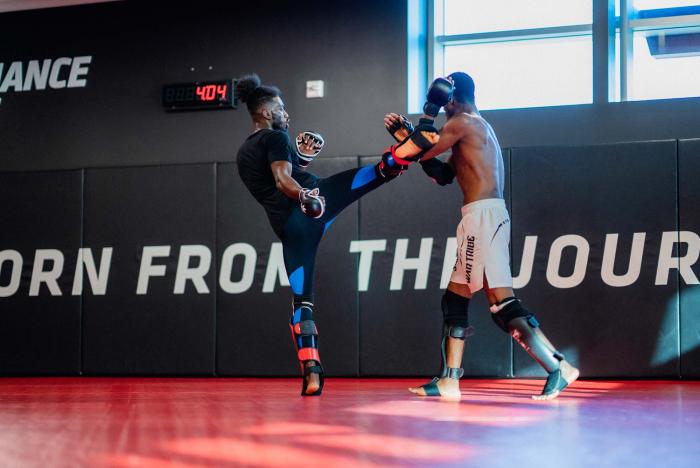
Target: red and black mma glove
[
  {"x": 389, "y": 169},
  {"x": 397, "y": 158},
  {"x": 440, "y": 172},
  {"x": 308, "y": 145},
  {"x": 312, "y": 204}
]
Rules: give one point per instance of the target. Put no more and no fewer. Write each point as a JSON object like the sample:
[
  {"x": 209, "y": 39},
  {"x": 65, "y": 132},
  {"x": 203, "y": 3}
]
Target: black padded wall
[
  {"x": 571, "y": 199},
  {"x": 162, "y": 326},
  {"x": 379, "y": 314},
  {"x": 688, "y": 196},
  {"x": 40, "y": 234}
]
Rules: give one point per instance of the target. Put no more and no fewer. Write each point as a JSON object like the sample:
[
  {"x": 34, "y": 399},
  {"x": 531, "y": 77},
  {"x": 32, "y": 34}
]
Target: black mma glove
[
  {"x": 312, "y": 205},
  {"x": 439, "y": 94},
  {"x": 440, "y": 172}
]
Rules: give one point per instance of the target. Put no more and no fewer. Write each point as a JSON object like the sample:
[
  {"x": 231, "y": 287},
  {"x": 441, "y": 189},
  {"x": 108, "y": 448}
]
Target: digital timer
[{"x": 199, "y": 95}]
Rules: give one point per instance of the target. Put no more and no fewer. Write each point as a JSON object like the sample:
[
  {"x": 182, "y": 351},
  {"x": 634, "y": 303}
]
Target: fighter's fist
[
  {"x": 312, "y": 204},
  {"x": 308, "y": 144},
  {"x": 389, "y": 169},
  {"x": 398, "y": 126},
  {"x": 439, "y": 94}
]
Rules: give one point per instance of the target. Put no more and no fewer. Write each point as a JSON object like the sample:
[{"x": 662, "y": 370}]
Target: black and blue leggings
[{"x": 301, "y": 234}]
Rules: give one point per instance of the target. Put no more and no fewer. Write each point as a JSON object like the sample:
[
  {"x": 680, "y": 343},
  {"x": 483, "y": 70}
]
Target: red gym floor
[{"x": 357, "y": 422}]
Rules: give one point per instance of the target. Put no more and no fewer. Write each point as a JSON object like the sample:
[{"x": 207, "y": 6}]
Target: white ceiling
[{"x": 18, "y": 5}]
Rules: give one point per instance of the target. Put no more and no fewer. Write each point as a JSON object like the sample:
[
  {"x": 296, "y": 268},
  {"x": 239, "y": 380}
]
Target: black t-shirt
[{"x": 254, "y": 158}]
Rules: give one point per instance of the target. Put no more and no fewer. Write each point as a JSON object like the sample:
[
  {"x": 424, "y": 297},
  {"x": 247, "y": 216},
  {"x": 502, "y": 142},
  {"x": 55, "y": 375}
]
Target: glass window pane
[
  {"x": 543, "y": 72},
  {"x": 614, "y": 93},
  {"x": 475, "y": 16},
  {"x": 671, "y": 71},
  {"x": 654, "y": 4}
]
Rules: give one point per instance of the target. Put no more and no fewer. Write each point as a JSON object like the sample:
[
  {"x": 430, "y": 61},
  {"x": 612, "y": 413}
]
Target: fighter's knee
[
  {"x": 509, "y": 309},
  {"x": 455, "y": 310}
]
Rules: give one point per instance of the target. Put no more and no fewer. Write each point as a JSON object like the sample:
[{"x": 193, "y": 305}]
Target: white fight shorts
[{"x": 483, "y": 238}]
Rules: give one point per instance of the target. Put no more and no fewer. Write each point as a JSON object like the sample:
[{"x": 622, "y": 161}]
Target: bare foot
[
  {"x": 568, "y": 375},
  {"x": 313, "y": 382},
  {"x": 448, "y": 388}
]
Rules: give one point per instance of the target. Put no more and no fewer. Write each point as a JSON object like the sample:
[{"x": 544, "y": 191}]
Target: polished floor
[{"x": 357, "y": 422}]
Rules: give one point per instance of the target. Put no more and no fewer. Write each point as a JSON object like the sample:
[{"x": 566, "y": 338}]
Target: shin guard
[
  {"x": 455, "y": 311},
  {"x": 305, "y": 337},
  {"x": 448, "y": 332},
  {"x": 513, "y": 318}
]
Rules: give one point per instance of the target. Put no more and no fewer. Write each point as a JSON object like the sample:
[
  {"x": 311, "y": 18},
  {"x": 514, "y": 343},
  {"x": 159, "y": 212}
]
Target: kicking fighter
[
  {"x": 299, "y": 205},
  {"x": 483, "y": 237}
]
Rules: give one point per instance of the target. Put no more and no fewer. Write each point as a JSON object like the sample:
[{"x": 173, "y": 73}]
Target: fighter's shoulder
[
  {"x": 471, "y": 123},
  {"x": 274, "y": 137},
  {"x": 459, "y": 120}
]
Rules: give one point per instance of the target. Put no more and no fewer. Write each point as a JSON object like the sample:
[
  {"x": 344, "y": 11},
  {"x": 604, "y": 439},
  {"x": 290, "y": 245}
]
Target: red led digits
[
  {"x": 221, "y": 91},
  {"x": 207, "y": 93},
  {"x": 199, "y": 95}
]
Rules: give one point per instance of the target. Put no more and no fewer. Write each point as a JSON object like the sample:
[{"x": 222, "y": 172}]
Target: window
[
  {"x": 469, "y": 17},
  {"x": 520, "y": 54},
  {"x": 658, "y": 49},
  {"x": 541, "y": 52},
  {"x": 528, "y": 73}
]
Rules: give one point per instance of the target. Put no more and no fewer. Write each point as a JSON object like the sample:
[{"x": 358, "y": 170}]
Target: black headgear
[{"x": 463, "y": 87}]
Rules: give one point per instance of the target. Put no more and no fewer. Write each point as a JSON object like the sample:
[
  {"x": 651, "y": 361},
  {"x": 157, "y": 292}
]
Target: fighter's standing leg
[
  {"x": 301, "y": 236},
  {"x": 455, "y": 305},
  {"x": 455, "y": 310}
]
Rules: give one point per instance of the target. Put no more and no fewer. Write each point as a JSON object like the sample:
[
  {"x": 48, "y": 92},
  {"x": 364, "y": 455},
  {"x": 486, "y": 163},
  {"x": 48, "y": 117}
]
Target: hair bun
[{"x": 246, "y": 86}]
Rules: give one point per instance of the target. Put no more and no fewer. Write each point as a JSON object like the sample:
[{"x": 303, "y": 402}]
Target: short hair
[
  {"x": 253, "y": 93},
  {"x": 463, "y": 87}
]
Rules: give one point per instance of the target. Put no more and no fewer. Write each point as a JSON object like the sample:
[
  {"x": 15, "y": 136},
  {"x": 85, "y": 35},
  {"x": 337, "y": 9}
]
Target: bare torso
[{"x": 476, "y": 158}]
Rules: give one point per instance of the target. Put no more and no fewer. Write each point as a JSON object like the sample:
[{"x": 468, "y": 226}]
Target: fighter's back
[{"x": 477, "y": 158}]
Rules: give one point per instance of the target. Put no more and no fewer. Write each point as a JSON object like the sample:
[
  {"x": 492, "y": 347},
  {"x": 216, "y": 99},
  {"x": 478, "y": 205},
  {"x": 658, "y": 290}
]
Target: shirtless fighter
[{"x": 483, "y": 237}]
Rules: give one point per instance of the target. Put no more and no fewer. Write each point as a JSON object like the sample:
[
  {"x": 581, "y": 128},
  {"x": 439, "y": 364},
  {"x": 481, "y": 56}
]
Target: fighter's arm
[
  {"x": 282, "y": 172},
  {"x": 278, "y": 156},
  {"x": 312, "y": 203},
  {"x": 450, "y": 134}
]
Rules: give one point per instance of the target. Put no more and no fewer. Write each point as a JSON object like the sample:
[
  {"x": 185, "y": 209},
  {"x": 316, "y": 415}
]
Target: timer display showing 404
[{"x": 199, "y": 95}]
